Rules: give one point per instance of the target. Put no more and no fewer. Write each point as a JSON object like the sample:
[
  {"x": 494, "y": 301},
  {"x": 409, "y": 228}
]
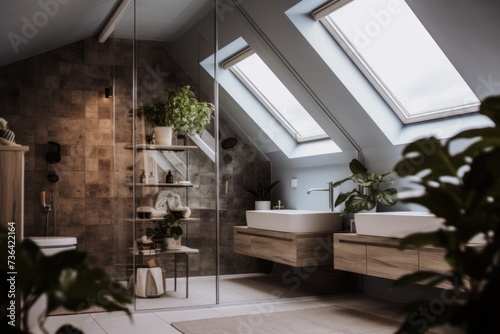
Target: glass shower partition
[{"x": 145, "y": 68}]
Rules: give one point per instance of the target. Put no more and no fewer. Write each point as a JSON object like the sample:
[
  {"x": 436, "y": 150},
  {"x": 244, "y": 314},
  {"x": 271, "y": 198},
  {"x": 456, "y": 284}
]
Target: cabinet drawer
[
  {"x": 390, "y": 262},
  {"x": 434, "y": 261},
  {"x": 277, "y": 249},
  {"x": 349, "y": 256},
  {"x": 294, "y": 249}
]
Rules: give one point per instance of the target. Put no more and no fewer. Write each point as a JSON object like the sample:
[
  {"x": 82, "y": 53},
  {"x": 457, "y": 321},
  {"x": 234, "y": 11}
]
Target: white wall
[{"x": 465, "y": 30}]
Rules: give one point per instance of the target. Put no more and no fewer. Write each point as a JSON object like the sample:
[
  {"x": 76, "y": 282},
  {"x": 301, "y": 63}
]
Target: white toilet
[
  {"x": 52, "y": 245},
  {"x": 49, "y": 246}
]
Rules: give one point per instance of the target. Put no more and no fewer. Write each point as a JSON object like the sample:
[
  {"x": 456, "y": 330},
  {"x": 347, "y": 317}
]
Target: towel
[
  {"x": 158, "y": 213},
  {"x": 167, "y": 199}
]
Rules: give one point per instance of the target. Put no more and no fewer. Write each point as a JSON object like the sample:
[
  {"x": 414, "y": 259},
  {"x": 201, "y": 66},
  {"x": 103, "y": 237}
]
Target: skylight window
[
  {"x": 399, "y": 57},
  {"x": 277, "y": 99}
]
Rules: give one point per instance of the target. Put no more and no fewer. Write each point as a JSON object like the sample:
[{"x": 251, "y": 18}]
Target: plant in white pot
[
  {"x": 168, "y": 232},
  {"x": 179, "y": 113},
  {"x": 261, "y": 193},
  {"x": 367, "y": 193}
]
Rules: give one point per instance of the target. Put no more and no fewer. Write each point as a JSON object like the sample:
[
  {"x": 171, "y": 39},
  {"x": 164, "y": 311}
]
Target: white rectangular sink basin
[
  {"x": 294, "y": 220},
  {"x": 399, "y": 224}
]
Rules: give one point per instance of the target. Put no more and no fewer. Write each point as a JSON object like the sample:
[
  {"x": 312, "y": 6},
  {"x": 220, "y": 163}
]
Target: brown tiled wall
[{"x": 59, "y": 96}]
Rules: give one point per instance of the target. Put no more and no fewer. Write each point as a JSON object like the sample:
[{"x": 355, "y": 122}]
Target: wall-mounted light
[{"x": 108, "y": 92}]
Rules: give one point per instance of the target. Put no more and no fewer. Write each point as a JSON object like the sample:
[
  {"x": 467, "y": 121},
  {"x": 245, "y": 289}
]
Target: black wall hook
[
  {"x": 52, "y": 177},
  {"x": 54, "y": 157}
]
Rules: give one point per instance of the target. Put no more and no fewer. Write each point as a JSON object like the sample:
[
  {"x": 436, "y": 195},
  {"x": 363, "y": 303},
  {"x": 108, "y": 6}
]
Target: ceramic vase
[
  {"x": 171, "y": 243},
  {"x": 262, "y": 205},
  {"x": 163, "y": 135}
]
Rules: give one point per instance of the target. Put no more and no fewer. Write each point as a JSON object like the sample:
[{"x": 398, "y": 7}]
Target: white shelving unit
[{"x": 147, "y": 188}]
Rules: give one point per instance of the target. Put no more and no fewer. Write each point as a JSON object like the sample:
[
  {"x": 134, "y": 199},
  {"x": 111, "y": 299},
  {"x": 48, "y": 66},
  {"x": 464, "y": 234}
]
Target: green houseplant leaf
[
  {"x": 366, "y": 200},
  {"x": 357, "y": 202},
  {"x": 181, "y": 110},
  {"x": 68, "y": 279},
  {"x": 463, "y": 187},
  {"x": 169, "y": 227},
  {"x": 260, "y": 191}
]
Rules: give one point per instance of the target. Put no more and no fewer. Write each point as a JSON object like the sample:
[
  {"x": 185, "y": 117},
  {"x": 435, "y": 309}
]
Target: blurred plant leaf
[
  {"x": 67, "y": 278},
  {"x": 462, "y": 187}
]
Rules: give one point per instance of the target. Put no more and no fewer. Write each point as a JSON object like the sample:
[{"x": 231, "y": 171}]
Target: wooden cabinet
[
  {"x": 390, "y": 262},
  {"x": 381, "y": 257},
  {"x": 12, "y": 187},
  {"x": 294, "y": 249},
  {"x": 349, "y": 256}
]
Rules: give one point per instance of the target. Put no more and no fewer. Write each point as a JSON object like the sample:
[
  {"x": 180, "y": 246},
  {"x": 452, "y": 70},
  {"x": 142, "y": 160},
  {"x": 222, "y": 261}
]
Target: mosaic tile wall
[{"x": 58, "y": 96}]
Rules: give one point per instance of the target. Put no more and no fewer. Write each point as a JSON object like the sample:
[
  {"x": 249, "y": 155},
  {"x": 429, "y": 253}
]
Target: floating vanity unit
[
  {"x": 293, "y": 237},
  {"x": 381, "y": 257},
  {"x": 293, "y": 249},
  {"x": 374, "y": 250}
]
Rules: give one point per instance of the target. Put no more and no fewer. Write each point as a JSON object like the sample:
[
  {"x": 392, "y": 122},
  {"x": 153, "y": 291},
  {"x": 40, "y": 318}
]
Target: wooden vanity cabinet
[
  {"x": 294, "y": 249},
  {"x": 381, "y": 257}
]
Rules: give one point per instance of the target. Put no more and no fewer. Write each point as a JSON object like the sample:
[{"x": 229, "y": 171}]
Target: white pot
[
  {"x": 163, "y": 135},
  {"x": 262, "y": 205},
  {"x": 171, "y": 243},
  {"x": 372, "y": 210}
]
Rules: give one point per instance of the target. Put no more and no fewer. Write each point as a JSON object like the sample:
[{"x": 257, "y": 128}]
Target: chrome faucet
[{"x": 331, "y": 205}]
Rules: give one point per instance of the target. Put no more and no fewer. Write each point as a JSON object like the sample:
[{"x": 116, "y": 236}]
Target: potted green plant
[
  {"x": 168, "y": 231},
  {"x": 261, "y": 193},
  {"x": 368, "y": 193},
  {"x": 461, "y": 182},
  {"x": 180, "y": 112}
]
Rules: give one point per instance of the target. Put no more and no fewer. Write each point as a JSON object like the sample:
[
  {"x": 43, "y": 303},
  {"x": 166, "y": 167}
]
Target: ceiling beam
[{"x": 110, "y": 26}]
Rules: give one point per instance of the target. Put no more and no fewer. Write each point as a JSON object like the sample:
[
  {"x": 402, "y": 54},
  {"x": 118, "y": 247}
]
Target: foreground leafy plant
[
  {"x": 463, "y": 188},
  {"x": 68, "y": 280}
]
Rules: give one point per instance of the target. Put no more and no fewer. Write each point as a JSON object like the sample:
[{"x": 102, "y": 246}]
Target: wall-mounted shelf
[
  {"x": 158, "y": 219},
  {"x": 162, "y": 147},
  {"x": 173, "y": 185}
]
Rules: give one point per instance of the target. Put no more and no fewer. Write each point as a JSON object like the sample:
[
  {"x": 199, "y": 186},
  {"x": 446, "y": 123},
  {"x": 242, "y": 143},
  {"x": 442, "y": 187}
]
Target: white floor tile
[
  {"x": 191, "y": 314},
  {"x": 84, "y": 322},
  {"x": 112, "y": 320},
  {"x": 149, "y": 329},
  {"x": 237, "y": 292}
]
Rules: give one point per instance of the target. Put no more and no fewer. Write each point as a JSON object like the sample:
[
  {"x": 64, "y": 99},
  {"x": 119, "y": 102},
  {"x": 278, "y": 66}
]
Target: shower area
[{"x": 209, "y": 172}]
